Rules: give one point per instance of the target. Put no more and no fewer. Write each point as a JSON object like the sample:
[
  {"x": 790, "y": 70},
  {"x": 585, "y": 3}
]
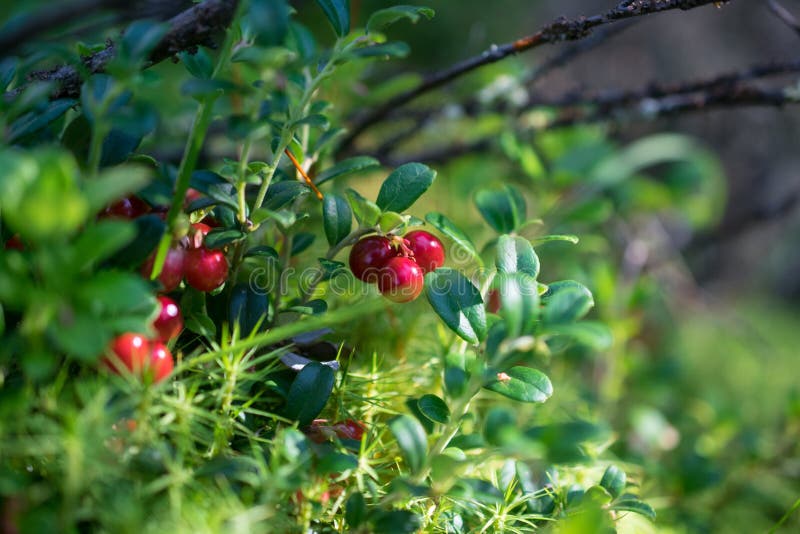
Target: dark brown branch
[
  {"x": 784, "y": 15},
  {"x": 561, "y": 29},
  {"x": 188, "y": 29},
  {"x": 648, "y": 108}
]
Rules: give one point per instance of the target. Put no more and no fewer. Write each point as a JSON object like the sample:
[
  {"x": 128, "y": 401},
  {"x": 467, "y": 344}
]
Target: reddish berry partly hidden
[
  {"x": 427, "y": 248},
  {"x": 349, "y": 429},
  {"x": 161, "y": 363},
  {"x": 15, "y": 243},
  {"x": 169, "y": 322},
  {"x": 493, "y": 301},
  {"x": 401, "y": 280},
  {"x": 205, "y": 269},
  {"x": 368, "y": 256},
  {"x": 126, "y": 208},
  {"x": 172, "y": 272},
  {"x": 132, "y": 352},
  {"x": 197, "y": 233}
]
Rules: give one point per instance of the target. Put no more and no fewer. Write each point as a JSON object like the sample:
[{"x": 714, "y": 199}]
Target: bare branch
[
  {"x": 561, "y": 29},
  {"x": 783, "y": 14},
  {"x": 188, "y": 29}
]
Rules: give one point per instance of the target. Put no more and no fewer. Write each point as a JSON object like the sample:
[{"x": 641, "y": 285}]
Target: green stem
[
  {"x": 350, "y": 240},
  {"x": 785, "y": 517}
]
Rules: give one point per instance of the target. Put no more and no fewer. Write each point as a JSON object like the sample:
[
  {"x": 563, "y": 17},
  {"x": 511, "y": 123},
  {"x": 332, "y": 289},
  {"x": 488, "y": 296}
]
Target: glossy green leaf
[
  {"x": 500, "y": 426},
  {"x": 263, "y": 251},
  {"x": 365, "y": 211},
  {"x": 383, "y": 50},
  {"x": 338, "y": 13},
  {"x": 301, "y": 242},
  {"x": 317, "y": 120},
  {"x": 589, "y": 333},
  {"x": 411, "y": 439},
  {"x": 100, "y": 241},
  {"x": 266, "y": 22},
  {"x": 384, "y": 17},
  {"x": 199, "y": 63},
  {"x": 35, "y": 121},
  {"x": 458, "y": 302},
  {"x": 219, "y": 237},
  {"x": 516, "y": 254},
  {"x": 461, "y": 239},
  {"x": 519, "y": 301},
  {"x": 355, "y": 510},
  {"x": 280, "y": 194},
  {"x": 434, "y": 408},
  {"x": 504, "y": 209},
  {"x": 522, "y": 384},
  {"x": 309, "y": 392},
  {"x": 631, "y": 503},
  {"x": 566, "y": 305},
  {"x": 404, "y": 186},
  {"x": 613, "y": 480},
  {"x": 250, "y": 308},
  {"x": 336, "y": 217},
  {"x": 345, "y": 167},
  {"x": 149, "y": 230}
]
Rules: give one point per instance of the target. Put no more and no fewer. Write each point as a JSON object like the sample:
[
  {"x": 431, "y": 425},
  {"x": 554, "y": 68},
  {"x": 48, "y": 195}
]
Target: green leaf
[
  {"x": 458, "y": 302},
  {"x": 35, "y": 121},
  {"x": 347, "y": 166},
  {"x": 249, "y": 307},
  {"x": 336, "y": 217},
  {"x": 434, "y": 408},
  {"x": 266, "y": 22},
  {"x": 316, "y": 120},
  {"x": 590, "y": 333},
  {"x": 504, "y": 209},
  {"x": 566, "y": 305},
  {"x": 516, "y": 254},
  {"x": 411, "y": 439},
  {"x": 98, "y": 242},
  {"x": 569, "y": 238},
  {"x": 280, "y": 194},
  {"x": 140, "y": 38},
  {"x": 630, "y": 503},
  {"x": 383, "y": 50},
  {"x": 519, "y": 298},
  {"x": 338, "y": 13},
  {"x": 355, "y": 510},
  {"x": 263, "y": 251},
  {"x": 149, "y": 230},
  {"x": 396, "y": 522},
  {"x": 500, "y": 426},
  {"x": 198, "y": 64},
  {"x": 114, "y": 183},
  {"x": 301, "y": 242},
  {"x": 113, "y": 293},
  {"x": 219, "y": 237},
  {"x": 82, "y": 336},
  {"x": 455, "y": 374},
  {"x": 522, "y": 384},
  {"x": 365, "y": 211},
  {"x": 462, "y": 240},
  {"x": 404, "y": 186},
  {"x": 384, "y": 17},
  {"x": 309, "y": 392},
  {"x": 336, "y": 462},
  {"x": 613, "y": 480}
]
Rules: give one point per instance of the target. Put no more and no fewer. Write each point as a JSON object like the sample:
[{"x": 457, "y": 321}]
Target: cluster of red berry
[
  {"x": 204, "y": 269},
  {"x": 397, "y": 264}
]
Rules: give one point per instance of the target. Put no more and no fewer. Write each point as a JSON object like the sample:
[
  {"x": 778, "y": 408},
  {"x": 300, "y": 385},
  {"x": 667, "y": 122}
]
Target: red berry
[
  {"x": 15, "y": 243},
  {"x": 192, "y": 194},
  {"x": 349, "y": 429},
  {"x": 132, "y": 352},
  {"x": 172, "y": 272},
  {"x": 427, "y": 248},
  {"x": 368, "y": 256},
  {"x": 205, "y": 269},
  {"x": 493, "y": 301},
  {"x": 161, "y": 363},
  {"x": 126, "y": 208},
  {"x": 169, "y": 322},
  {"x": 401, "y": 280}
]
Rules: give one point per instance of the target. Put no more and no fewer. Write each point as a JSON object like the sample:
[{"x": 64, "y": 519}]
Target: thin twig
[
  {"x": 188, "y": 29},
  {"x": 562, "y": 29},
  {"x": 784, "y": 15}
]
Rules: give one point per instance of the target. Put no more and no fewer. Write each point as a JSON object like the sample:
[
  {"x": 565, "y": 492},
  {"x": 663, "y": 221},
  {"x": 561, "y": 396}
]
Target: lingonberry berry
[
  {"x": 126, "y": 208},
  {"x": 172, "y": 271},
  {"x": 427, "y": 248},
  {"x": 169, "y": 322},
  {"x": 15, "y": 243},
  {"x": 368, "y": 256},
  {"x": 197, "y": 234},
  {"x": 132, "y": 352},
  {"x": 401, "y": 280},
  {"x": 349, "y": 429},
  {"x": 161, "y": 363},
  {"x": 205, "y": 269}
]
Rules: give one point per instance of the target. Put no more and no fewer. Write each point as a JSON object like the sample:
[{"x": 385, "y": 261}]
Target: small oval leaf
[
  {"x": 522, "y": 384},
  {"x": 504, "y": 209},
  {"x": 448, "y": 228},
  {"x": 309, "y": 392},
  {"x": 404, "y": 186},
  {"x": 411, "y": 439},
  {"x": 458, "y": 302},
  {"x": 336, "y": 217},
  {"x": 434, "y": 409},
  {"x": 515, "y": 254}
]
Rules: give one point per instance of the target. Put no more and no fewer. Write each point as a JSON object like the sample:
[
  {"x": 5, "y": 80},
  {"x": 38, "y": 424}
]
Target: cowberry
[
  {"x": 169, "y": 322},
  {"x": 427, "y": 248},
  {"x": 197, "y": 234},
  {"x": 349, "y": 429},
  {"x": 205, "y": 269},
  {"x": 15, "y": 243},
  {"x": 126, "y": 208},
  {"x": 131, "y": 352},
  {"x": 172, "y": 271},
  {"x": 401, "y": 280},
  {"x": 161, "y": 363},
  {"x": 368, "y": 256}
]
